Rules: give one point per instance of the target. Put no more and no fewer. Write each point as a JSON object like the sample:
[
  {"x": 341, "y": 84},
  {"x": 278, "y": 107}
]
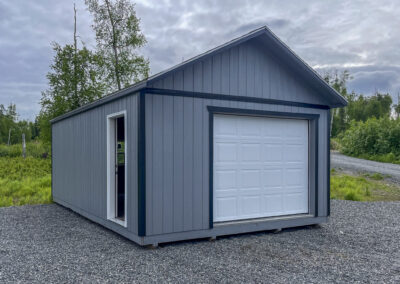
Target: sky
[{"x": 362, "y": 37}]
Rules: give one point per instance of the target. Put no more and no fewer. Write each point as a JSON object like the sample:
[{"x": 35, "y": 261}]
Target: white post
[
  {"x": 23, "y": 146},
  {"x": 9, "y": 136}
]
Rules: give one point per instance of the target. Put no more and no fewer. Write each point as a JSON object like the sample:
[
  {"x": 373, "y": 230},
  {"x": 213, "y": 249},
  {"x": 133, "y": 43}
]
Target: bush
[
  {"x": 376, "y": 139},
  {"x": 34, "y": 149}
]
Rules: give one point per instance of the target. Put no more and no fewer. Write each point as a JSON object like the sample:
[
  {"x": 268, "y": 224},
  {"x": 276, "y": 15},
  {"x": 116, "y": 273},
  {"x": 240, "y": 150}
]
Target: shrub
[
  {"x": 376, "y": 139},
  {"x": 34, "y": 149}
]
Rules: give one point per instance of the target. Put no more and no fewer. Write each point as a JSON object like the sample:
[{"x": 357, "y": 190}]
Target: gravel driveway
[
  {"x": 48, "y": 243},
  {"x": 359, "y": 165}
]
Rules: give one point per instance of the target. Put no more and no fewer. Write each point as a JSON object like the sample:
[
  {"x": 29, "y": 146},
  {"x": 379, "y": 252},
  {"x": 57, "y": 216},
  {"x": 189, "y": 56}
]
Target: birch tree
[{"x": 118, "y": 38}]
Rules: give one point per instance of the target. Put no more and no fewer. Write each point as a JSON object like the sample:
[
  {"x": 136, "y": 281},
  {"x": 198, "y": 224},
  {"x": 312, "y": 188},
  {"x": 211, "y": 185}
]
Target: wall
[
  {"x": 80, "y": 160},
  {"x": 248, "y": 69},
  {"x": 177, "y": 165}
]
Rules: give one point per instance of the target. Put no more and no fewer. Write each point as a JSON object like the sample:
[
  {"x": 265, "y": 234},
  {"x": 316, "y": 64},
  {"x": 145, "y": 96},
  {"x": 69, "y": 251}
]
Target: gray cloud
[{"x": 360, "y": 36}]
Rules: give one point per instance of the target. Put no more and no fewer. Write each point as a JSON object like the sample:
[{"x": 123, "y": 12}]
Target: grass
[
  {"x": 384, "y": 158},
  {"x": 368, "y": 187},
  {"x": 25, "y": 181}
]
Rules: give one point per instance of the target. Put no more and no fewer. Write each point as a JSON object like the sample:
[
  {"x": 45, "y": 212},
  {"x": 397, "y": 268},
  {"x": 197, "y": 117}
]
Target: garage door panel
[
  {"x": 250, "y": 178},
  {"x": 260, "y": 167},
  {"x": 226, "y": 208},
  {"x": 272, "y": 152},
  {"x": 250, "y": 151},
  {"x": 293, "y": 203},
  {"x": 295, "y": 177},
  {"x": 247, "y": 127},
  {"x": 272, "y": 177},
  {"x": 225, "y": 179},
  {"x": 251, "y": 205},
  {"x": 226, "y": 151},
  {"x": 273, "y": 203}
]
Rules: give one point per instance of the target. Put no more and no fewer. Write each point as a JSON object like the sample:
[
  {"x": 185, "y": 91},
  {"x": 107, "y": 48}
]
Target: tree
[
  {"x": 75, "y": 79},
  {"x": 339, "y": 121},
  {"x": 11, "y": 127},
  {"x": 397, "y": 110},
  {"x": 118, "y": 37}
]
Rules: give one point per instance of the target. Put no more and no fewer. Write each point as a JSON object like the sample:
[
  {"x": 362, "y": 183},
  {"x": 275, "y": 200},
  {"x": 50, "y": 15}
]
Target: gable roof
[{"x": 264, "y": 33}]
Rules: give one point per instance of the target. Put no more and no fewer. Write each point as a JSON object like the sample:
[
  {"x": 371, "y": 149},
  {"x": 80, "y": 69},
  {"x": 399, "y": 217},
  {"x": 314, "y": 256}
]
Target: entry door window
[
  {"x": 120, "y": 168},
  {"x": 116, "y": 168}
]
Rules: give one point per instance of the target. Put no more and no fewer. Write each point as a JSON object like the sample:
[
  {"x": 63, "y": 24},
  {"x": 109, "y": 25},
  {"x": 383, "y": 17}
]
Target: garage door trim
[{"x": 313, "y": 149}]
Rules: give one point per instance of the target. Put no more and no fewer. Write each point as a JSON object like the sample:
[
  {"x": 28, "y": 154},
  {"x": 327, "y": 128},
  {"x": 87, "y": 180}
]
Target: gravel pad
[{"x": 48, "y": 243}]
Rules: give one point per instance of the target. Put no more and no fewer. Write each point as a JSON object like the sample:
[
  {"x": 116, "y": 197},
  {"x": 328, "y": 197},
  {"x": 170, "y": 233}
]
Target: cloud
[{"x": 361, "y": 36}]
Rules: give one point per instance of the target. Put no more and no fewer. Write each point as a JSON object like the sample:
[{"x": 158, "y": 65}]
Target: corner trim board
[
  {"x": 142, "y": 165},
  {"x": 328, "y": 175},
  {"x": 211, "y": 168}
]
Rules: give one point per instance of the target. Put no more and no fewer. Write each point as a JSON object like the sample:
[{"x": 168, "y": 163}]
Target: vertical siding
[
  {"x": 177, "y": 137},
  {"x": 80, "y": 159},
  {"x": 248, "y": 69}
]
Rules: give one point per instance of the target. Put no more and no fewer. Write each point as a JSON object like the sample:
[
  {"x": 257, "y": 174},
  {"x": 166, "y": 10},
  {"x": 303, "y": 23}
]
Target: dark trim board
[
  {"x": 316, "y": 165},
  {"x": 167, "y": 92},
  {"x": 246, "y": 112},
  {"x": 142, "y": 165},
  {"x": 211, "y": 168},
  {"x": 249, "y": 112},
  {"x": 212, "y": 96},
  {"x": 52, "y": 164},
  {"x": 328, "y": 175},
  {"x": 222, "y": 230},
  {"x": 236, "y": 228}
]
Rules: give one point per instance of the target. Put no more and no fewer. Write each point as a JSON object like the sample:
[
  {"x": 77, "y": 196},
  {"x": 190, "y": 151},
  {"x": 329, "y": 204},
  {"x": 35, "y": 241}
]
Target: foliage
[
  {"x": 35, "y": 149},
  {"x": 397, "y": 110},
  {"x": 74, "y": 80},
  {"x": 118, "y": 37},
  {"x": 24, "y": 181},
  {"x": 9, "y": 124},
  {"x": 362, "y": 188},
  {"x": 375, "y": 137},
  {"x": 359, "y": 108}
]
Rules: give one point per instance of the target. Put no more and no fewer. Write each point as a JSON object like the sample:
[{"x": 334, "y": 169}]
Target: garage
[
  {"x": 260, "y": 167},
  {"x": 232, "y": 141}
]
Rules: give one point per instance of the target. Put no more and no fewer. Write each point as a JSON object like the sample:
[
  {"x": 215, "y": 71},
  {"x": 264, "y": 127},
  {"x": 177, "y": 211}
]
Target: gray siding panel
[
  {"x": 80, "y": 160},
  {"x": 188, "y": 149},
  {"x": 249, "y": 69}
]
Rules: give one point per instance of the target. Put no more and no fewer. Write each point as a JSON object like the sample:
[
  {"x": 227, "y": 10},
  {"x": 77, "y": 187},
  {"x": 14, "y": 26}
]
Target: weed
[
  {"x": 368, "y": 187},
  {"x": 24, "y": 181}
]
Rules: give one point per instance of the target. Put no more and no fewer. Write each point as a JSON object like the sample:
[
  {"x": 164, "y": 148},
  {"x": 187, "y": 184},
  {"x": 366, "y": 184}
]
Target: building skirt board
[{"x": 221, "y": 230}]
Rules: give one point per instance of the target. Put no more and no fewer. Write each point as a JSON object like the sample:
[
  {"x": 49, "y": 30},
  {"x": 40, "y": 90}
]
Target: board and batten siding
[
  {"x": 79, "y": 168},
  {"x": 177, "y": 160},
  {"x": 248, "y": 69}
]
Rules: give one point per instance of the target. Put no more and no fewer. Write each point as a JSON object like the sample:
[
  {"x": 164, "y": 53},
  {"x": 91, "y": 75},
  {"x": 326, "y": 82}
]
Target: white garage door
[{"x": 260, "y": 167}]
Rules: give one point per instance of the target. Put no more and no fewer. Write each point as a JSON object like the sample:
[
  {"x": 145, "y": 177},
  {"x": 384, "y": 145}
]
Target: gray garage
[{"x": 234, "y": 140}]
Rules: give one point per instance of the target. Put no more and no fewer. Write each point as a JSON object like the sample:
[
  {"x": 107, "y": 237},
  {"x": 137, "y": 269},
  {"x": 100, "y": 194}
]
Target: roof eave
[{"x": 106, "y": 99}]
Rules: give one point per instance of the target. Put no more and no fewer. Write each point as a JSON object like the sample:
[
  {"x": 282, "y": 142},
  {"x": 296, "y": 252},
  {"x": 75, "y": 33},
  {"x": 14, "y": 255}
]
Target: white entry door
[{"x": 260, "y": 167}]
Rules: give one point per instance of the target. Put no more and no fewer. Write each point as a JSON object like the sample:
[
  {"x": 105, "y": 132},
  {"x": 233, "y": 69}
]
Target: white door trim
[{"x": 111, "y": 167}]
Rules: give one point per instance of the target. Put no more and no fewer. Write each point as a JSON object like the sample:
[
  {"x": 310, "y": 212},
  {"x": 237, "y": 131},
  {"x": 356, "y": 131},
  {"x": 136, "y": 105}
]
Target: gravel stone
[{"x": 49, "y": 243}]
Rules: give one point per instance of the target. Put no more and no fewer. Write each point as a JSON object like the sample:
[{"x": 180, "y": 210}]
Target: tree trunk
[
  {"x": 76, "y": 100},
  {"x": 23, "y": 146},
  {"x": 114, "y": 46}
]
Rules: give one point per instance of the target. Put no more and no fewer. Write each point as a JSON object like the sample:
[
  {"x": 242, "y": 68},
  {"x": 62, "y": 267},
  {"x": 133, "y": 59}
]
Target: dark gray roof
[{"x": 276, "y": 44}]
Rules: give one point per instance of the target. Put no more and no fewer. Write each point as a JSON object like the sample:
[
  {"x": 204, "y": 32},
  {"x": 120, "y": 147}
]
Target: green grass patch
[
  {"x": 24, "y": 181},
  {"x": 35, "y": 149},
  {"x": 363, "y": 188}
]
